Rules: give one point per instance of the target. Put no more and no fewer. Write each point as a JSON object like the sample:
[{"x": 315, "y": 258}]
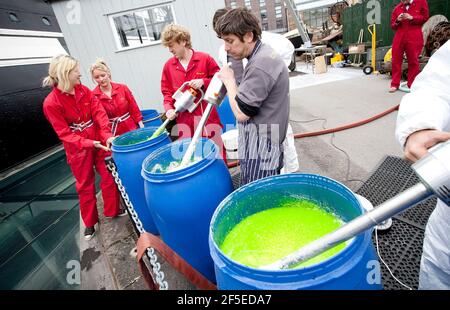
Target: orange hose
[
  {"x": 233, "y": 164},
  {"x": 352, "y": 125},
  {"x": 336, "y": 129}
]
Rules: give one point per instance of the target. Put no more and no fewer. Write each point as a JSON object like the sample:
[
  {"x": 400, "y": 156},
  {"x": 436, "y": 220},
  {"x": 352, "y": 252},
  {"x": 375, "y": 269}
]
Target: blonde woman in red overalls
[
  {"x": 117, "y": 100},
  {"x": 81, "y": 125}
]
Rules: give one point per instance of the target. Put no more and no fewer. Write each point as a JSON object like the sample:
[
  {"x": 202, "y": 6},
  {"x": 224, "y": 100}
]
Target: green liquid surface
[
  {"x": 270, "y": 235},
  {"x": 173, "y": 166},
  {"x": 136, "y": 141}
]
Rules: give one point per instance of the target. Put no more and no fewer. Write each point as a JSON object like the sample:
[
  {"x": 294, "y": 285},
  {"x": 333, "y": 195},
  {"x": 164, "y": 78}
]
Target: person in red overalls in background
[
  {"x": 117, "y": 100},
  {"x": 196, "y": 67},
  {"x": 78, "y": 122},
  {"x": 407, "y": 20}
]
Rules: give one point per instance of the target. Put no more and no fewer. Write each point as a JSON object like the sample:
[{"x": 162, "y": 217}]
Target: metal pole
[
  {"x": 393, "y": 206},
  {"x": 299, "y": 23},
  {"x": 198, "y": 132}
]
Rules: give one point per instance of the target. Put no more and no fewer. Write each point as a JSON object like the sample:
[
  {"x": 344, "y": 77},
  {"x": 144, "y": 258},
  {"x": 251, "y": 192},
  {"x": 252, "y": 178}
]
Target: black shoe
[
  {"x": 122, "y": 212},
  {"x": 89, "y": 232}
]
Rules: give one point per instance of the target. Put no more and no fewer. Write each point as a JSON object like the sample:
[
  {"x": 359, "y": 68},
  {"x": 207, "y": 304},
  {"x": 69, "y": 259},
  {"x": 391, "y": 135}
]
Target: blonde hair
[
  {"x": 176, "y": 33},
  {"x": 101, "y": 65},
  {"x": 58, "y": 71}
]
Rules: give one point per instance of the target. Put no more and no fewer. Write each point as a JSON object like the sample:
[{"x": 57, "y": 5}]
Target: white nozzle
[{"x": 434, "y": 170}]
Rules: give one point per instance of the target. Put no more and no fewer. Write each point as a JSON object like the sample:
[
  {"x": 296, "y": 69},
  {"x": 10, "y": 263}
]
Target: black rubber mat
[
  {"x": 391, "y": 177},
  {"x": 401, "y": 249},
  {"x": 401, "y": 246}
]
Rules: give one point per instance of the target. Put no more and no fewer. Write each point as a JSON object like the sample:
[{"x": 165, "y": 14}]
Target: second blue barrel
[
  {"x": 151, "y": 118},
  {"x": 356, "y": 266},
  {"x": 226, "y": 115},
  {"x": 183, "y": 201},
  {"x": 129, "y": 151}
]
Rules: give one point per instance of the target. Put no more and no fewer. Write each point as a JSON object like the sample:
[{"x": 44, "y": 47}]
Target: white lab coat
[
  {"x": 279, "y": 43},
  {"x": 285, "y": 50},
  {"x": 428, "y": 107}
]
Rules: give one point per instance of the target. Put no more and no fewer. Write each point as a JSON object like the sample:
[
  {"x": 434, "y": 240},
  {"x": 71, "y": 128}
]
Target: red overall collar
[
  {"x": 195, "y": 58},
  {"x": 98, "y": 92}
]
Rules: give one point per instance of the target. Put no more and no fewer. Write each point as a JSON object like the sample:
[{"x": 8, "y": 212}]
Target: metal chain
[{"x": 159, "y": 274}]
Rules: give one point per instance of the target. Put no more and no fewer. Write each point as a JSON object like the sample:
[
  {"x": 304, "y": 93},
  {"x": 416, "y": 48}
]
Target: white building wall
[{"x": 89, "y": 35}]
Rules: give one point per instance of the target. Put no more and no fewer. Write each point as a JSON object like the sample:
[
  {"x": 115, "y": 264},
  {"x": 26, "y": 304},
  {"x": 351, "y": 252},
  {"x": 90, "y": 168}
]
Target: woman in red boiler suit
[
  {"x": 194, "y": 67},
  {"x": 81, "y": 125},
  {"x": 407, "y": 20},
  {"x": 117, "y": 100}
]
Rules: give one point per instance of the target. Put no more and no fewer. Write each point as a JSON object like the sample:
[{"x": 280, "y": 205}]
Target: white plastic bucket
[{"x": 230, "y": 141}]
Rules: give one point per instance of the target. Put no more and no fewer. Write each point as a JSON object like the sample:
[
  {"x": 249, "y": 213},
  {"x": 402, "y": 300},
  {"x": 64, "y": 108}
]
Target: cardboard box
[
  {"x": 320, "y": 65},
  {"x": 356, "y": 48}
]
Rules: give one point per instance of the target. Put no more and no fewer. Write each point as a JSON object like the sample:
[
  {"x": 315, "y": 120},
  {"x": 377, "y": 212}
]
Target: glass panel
[
  {"x": 8, "y": 208},
  {"x": 160, "y": 17},
  {"x": 39, "y": 226},
  {"x": 141, "y": 18},
  {"x": 142, "y": 27},
  {"x": 22, "y": 227},
  {"x": 131, "y": 31},
  {"x": 280, "y": 24},
  {"x": 42, "y": 263},
  {"x": 278, "y": 13},
  {"x": 263, "y": 14},
  {"x": 41, "y": 182}
]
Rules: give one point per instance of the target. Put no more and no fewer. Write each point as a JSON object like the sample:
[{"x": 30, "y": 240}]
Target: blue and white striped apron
[{"x": 258, "y": 156}]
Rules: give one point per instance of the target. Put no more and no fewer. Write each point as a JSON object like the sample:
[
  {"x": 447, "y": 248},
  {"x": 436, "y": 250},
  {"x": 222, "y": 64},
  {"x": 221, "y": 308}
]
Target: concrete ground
[
  {"x": 341, "y": 97},
  {"x": 318, "y": 101},
  {"x": 108, "y": 260}
]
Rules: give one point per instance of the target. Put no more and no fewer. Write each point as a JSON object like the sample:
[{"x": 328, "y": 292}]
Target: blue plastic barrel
[
  {"x": 151, "y": 118},
  {"x": 226, "y": 115},
  {"x": 128, "y": 157},
  {"x": 182, "y": 202},
  {"x": 354, "y": 267}
]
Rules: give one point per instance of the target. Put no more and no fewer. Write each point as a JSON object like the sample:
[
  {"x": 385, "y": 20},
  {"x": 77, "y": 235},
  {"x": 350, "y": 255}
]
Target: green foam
[
  {"x": 270, "y": 235},
  {"x": 136, "y": 141},
  {"x": 172, "y": 166}
]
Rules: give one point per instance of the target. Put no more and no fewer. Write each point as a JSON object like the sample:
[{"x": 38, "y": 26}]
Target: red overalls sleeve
[
  {"x": 167, "y": 89},
  {"x": 56, "y": 118},
  {"x": 212, "y": 68},
  {"x": 394, "y": 22},
  {"x": 422, "y": 16},
  {"x": 100, "y": 117},
  {"x": 133, "y": 107}
]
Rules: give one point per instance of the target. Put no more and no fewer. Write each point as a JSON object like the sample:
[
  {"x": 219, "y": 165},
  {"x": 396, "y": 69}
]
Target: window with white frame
[
  {"x": 263, "y": 14},
  {"x": 233, "y": 4},
  {"x": 280, "y": 24},
  {"x": 248, "y": 4},
  {"x": 278, "y": 13},
  {"x": 262, "y": 3},
  {"x": 141, "y": 27}
]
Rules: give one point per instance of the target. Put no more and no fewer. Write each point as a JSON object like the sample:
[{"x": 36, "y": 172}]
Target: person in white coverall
[
  {"x": 285, "y": 50},
  {"x": 424, "y": 121}
]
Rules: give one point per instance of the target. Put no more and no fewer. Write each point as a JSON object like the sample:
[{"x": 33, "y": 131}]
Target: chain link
[{"x": 156, "y": 267}]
